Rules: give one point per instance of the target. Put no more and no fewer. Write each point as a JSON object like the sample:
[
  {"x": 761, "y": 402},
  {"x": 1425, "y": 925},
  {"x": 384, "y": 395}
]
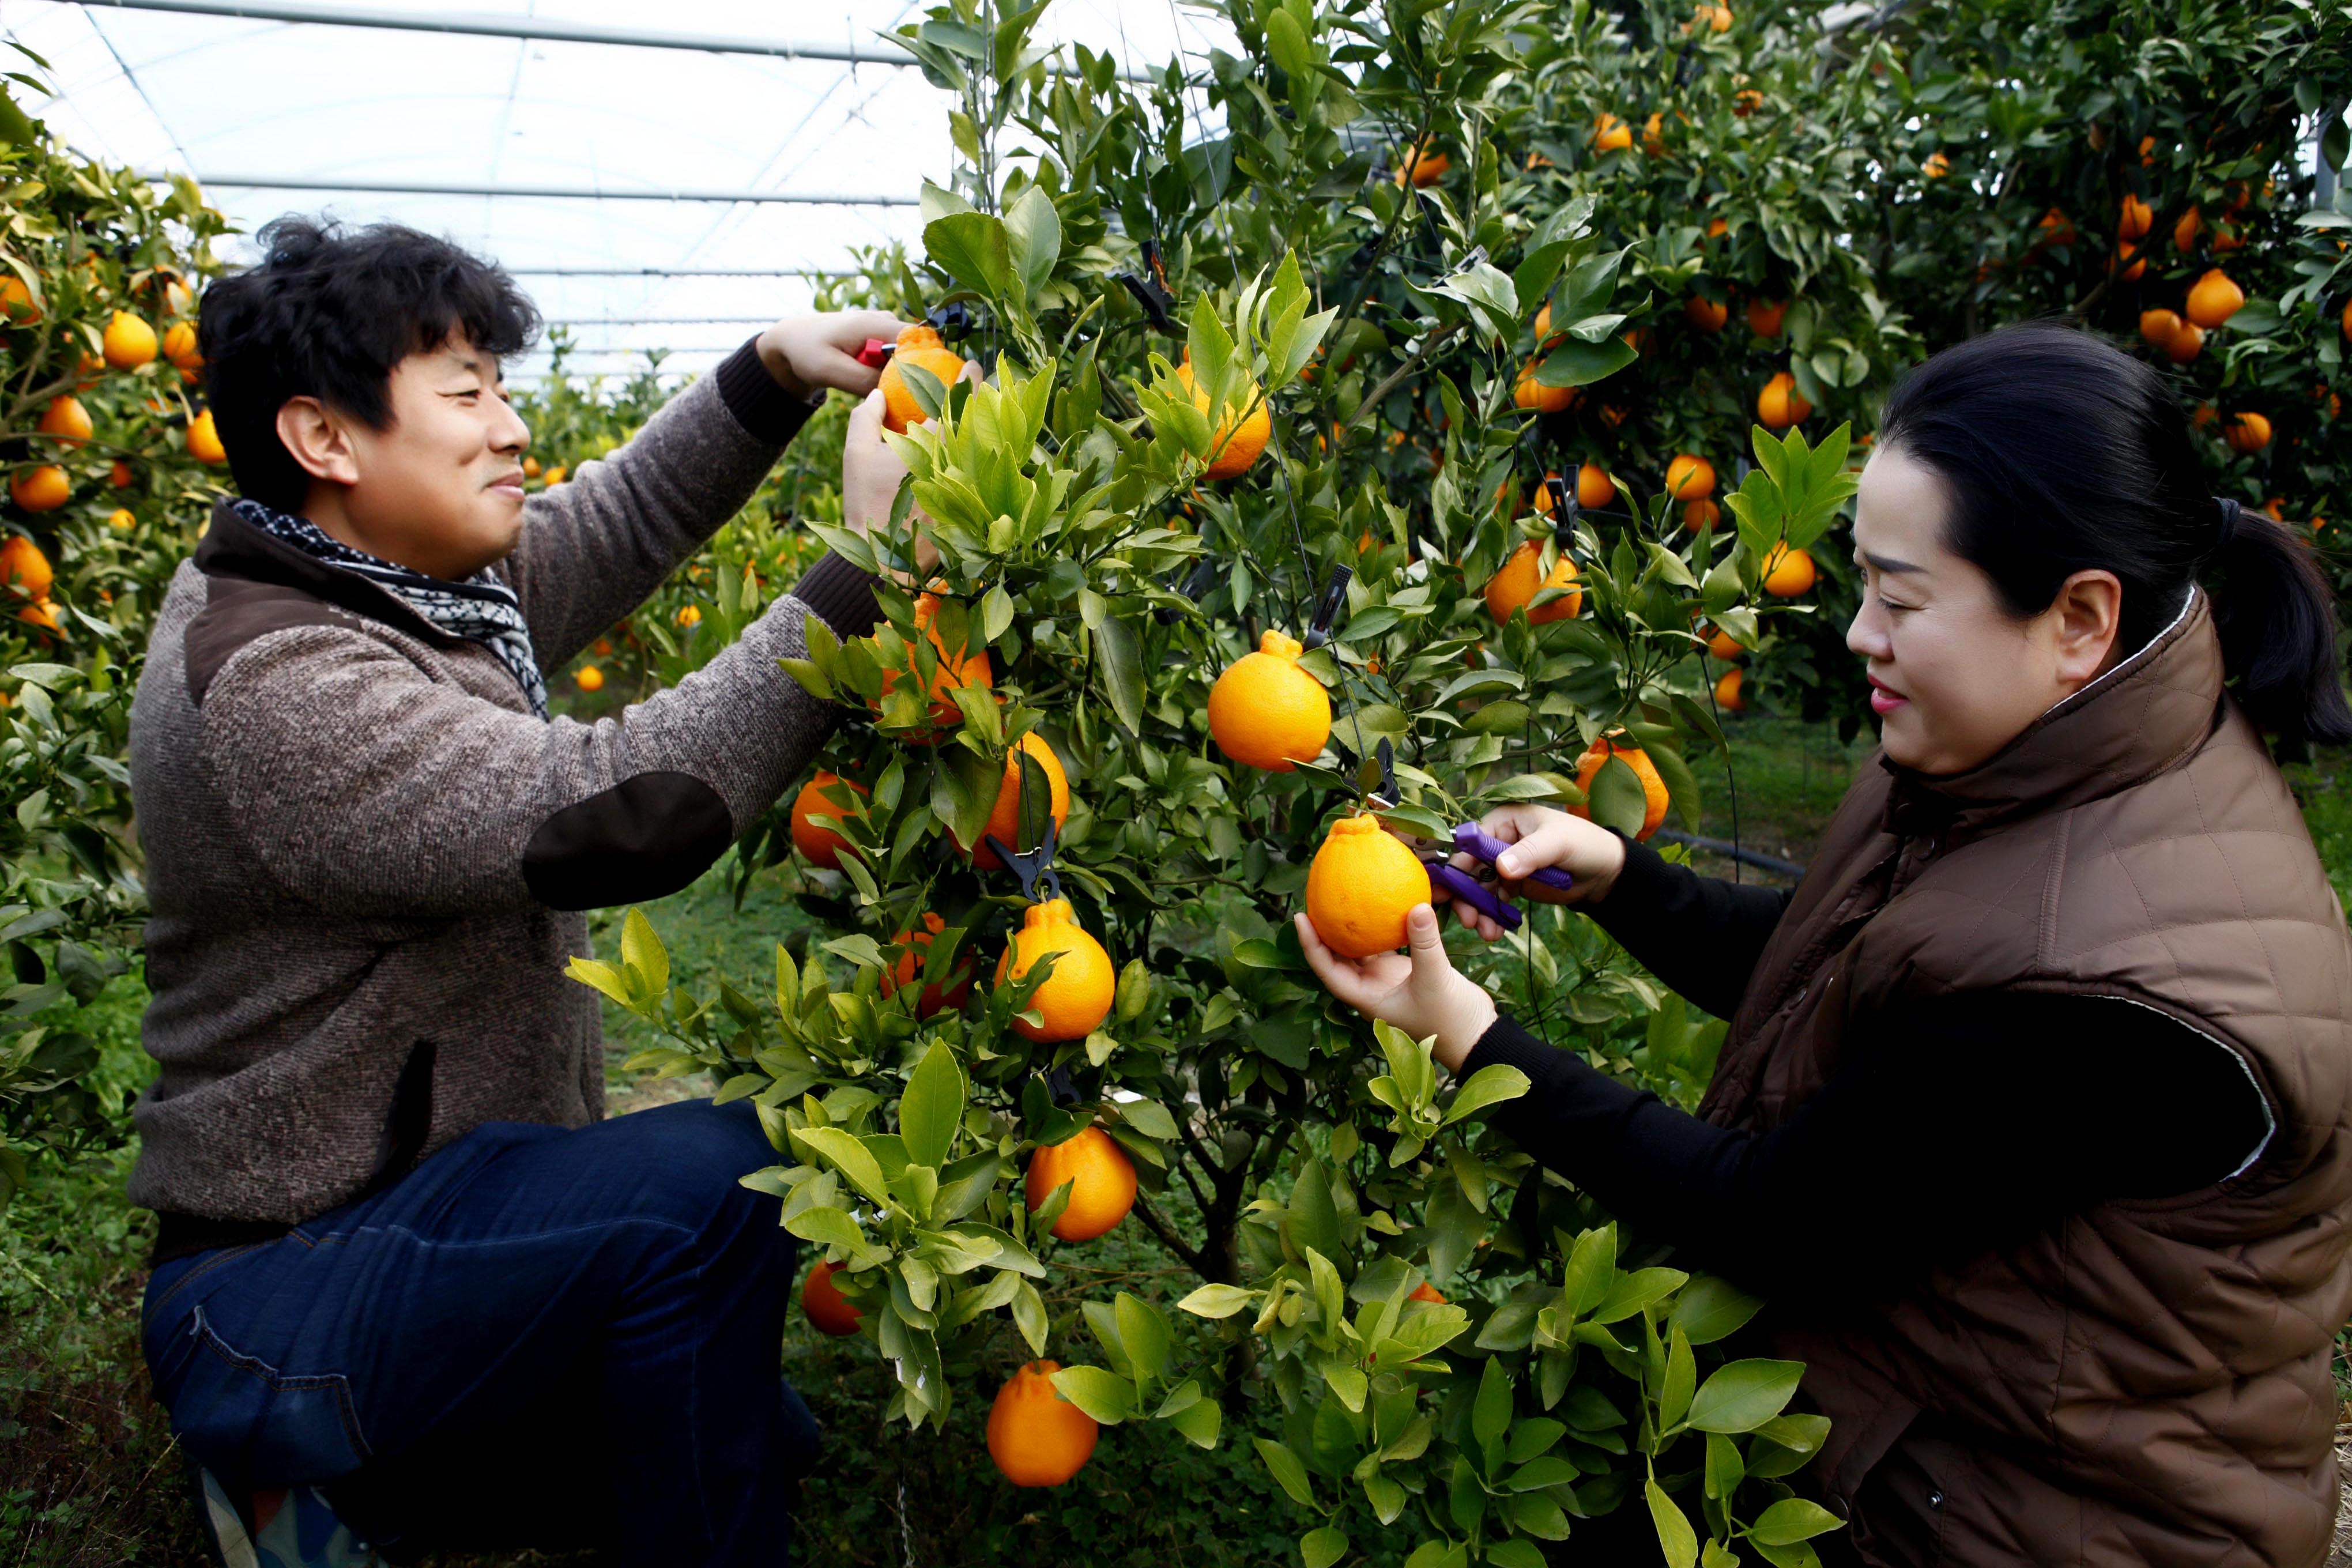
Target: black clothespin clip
[
  {"x": 1035, "y": 868},
  {"x": 1150, "y": 289},
  {"x": 1320, "y": 631},
  {"x": 1564, "y": 510},
  {"x": 1386, "y": 796},
  {"x": 1202, "y": 578},
  {"x": 951, "y": 320},
  {"x": 1059, "y": 1085}
]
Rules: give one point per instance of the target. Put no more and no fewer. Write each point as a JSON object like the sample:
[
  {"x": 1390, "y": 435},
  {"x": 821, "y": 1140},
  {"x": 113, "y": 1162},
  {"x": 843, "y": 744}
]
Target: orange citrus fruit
[
  {"x": 1005, "y": 817},
  {"x": 1529, "y": 393},
  {"x": 1935, "y": 167},
  {"x": 2185, "y": 231},
  {"x": 43, "y": 615},
  {"x": 2137, "y": 218},
  {"x": 811, "y": 809},
  {"x": 1266, "y": 711},
  {"x": 961, "y": 666},
  {"x": 689, "y": 615},
  {"x": 1423, "y": 166},
  {"x": 1101, "y": 1178},
  {"x": 1425, "y": 1291},
  {"x": 1781, "y": 405},
  {"x": 121, "y": 477},
  {"x": 1764, "y": 317},
  {"x": 1512, "y": 587},
  {"x": 128, "y": 342},
  {"x": 1362, "y": 885},
  {"x": 2186, "y": 344},
  {"x": 1654, "y": 799},
  {"x": 123, "y": 520},
  {"x": 827, "y": 1309},
  {"x": 938, "y": 996},
  {"x": 1787, "y": 572},
  {"x": 1037, "y": 1437},
  {"x": 589, "y": 679},
  {"x": 2246, "y": 431},
  {"x": 66, "y": 419},
  {"x": 24, "y": 569},
  {"x": 180, "y": 345},
  {"x": 1594, "y": 488},
  {"x": 2215, "y": 299},
  {"x": 2158, "y": 326},
  {"x": 1726, "y": 693},
  {"x": 1701, "y": 514},
  {"x": 204, "y": 439},
  {"x": 917, "y": 345},
  {"x": 1611, "y": 134},
  {"x": 1236, "y": 443},
  {"x": 1689, "y": 478},
  {"x": 17, "y": 300},
  {"x": 42, "y": 489},
  {"x": 2129, "y": 261},
  {"x": 1722, "y": 643},
  {"x": 1077, "y": 996},
  {"x": 530, "y": 467},
  {"x": 1707, "y": 315}
]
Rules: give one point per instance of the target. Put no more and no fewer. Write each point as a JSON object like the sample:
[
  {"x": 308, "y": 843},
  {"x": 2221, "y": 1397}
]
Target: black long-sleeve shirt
[{"x": 1945, "y": 1131}]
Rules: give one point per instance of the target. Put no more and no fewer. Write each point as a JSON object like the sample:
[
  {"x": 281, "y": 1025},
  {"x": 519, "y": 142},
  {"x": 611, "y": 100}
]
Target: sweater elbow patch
[{"x": 646, "y": 838}]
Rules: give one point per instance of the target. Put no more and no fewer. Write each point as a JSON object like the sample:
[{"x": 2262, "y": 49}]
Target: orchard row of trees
[{"x": 1331, "y": 306}]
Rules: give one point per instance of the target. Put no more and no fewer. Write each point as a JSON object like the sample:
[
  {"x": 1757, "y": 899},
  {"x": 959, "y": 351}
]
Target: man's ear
[
  {"x": 2089, "y": 609},
  {"x": 319, "y": 440}
]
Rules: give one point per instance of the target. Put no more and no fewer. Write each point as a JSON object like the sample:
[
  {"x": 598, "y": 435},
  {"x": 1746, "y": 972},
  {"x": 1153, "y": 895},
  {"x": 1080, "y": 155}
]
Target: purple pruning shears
[{"x": 1460, "y": 884}]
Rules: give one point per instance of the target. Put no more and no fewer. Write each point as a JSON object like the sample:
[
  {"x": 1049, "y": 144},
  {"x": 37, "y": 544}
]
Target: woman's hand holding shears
[{"x": 1538, "y": 853}]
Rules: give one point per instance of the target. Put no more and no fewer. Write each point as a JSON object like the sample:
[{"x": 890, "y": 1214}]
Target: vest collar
[
  {"x": 233, "y": 547},
  {"x": 2140, "y": 718}
]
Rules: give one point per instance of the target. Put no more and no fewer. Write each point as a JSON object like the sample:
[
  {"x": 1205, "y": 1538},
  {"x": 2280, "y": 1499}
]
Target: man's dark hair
[{"x": 327, "y": 313}]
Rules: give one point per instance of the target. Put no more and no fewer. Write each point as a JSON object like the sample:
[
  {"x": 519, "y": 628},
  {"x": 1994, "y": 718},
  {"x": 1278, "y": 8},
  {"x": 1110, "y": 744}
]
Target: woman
[{"x": 2036, "y": 1115}]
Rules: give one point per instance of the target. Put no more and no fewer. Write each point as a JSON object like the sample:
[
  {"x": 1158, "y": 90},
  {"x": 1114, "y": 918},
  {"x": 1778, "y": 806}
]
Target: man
[{"x": 406, "y": 1275}]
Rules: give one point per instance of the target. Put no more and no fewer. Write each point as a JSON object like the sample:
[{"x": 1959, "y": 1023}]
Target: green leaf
[
  {"x": 826, "y": 1227},
  {"x": 1033, "y": 232},
  {"x": 1488, "y": 1086},
  {"x": 1122, "y": 670},
  {"x": 1287, "y": 1470},
  {"x": 1711, "y": 1308},
  {"x": 1516, "y": 1553},
  {"x": 1792, "y": 1519},
  {"x": 1314, "y": 1219},
  {"x": 847, "y": 1154},
  {"x": 1490, "y": 1415},
  {"x": 602, "y": 977},
  {"x": 1633, "y": 1292},
  {"x": 975, "y": 250},
  {"x": 1150, "y": 1117},
  {"x": 932, "y": 1108},
  {"x": 1535, "y": 1513},
  {"x": 1682, "y": 1375},
  {"x": 1676, "y": 1540},
  {"x": 1216, "y": 1301},
  {"x": 1741, "y": 1395},
  {"x": 1199, "y": 1422},
  {"x": 1144, "y": 1332},
  {"x": 1108, "y": 1398},
  {"x": 1575, "y": 363},
  {"x": 1029, "y": 1317},
  {"x": 642, "y": 956},
  {"x": 1618, "y": 799},
  {"x": 1319, "y": 1548}
]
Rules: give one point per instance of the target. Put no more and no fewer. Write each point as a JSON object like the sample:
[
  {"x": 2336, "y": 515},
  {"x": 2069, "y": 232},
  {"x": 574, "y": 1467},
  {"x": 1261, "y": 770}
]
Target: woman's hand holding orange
[{"x": 1423, "y": 993}]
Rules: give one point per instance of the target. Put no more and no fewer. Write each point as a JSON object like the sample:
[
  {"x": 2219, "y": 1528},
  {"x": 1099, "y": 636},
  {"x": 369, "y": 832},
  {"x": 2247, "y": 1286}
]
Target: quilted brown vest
[{"x": 2144, "y": 1381}]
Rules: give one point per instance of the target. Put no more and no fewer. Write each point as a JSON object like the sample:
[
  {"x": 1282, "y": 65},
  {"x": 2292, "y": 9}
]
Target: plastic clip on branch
[
  {"x": 1034, "y": 869},
  {"x": 1565, "y": 511},
  {"x": 1150, "y": 289},
  {"x": 1327, "y": 607}
]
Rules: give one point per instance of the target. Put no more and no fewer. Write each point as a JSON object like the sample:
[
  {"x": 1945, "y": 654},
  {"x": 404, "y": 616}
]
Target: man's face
[{"x": 440, "y": 489}]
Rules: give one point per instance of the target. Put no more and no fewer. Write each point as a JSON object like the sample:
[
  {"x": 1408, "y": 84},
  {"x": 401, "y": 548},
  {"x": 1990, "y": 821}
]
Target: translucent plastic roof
[{"x": 229, "y": 98}]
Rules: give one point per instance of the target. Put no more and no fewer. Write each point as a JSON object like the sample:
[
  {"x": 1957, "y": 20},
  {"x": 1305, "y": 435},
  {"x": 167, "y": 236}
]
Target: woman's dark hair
[
  {"x": 2062, "y": 453},
  {"x": 327, "y": 313}
]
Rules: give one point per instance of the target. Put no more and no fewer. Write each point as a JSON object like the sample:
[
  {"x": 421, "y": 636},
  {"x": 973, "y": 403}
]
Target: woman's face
[{"x": 1954, "y": 677}]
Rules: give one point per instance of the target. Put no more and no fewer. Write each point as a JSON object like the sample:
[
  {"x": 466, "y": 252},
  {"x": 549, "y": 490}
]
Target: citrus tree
[
  {"x": 111, "y": 471},
  {"x": 1266, "y": 388}
]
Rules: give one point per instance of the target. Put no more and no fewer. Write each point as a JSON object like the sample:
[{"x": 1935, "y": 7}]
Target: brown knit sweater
[{"x": 367, "y": 859}]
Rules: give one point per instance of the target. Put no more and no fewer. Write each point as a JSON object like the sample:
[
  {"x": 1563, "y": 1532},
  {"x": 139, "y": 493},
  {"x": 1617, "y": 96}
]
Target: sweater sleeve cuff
[
  {"x": 765, "y": 410},
  {"x": 840, "y": 594},
  {"x": 1643, "y": 882}
]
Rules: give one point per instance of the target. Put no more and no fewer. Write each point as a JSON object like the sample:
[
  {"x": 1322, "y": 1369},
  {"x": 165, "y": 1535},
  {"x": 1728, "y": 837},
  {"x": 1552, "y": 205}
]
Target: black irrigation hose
[{"x": 1762, "y": 862}]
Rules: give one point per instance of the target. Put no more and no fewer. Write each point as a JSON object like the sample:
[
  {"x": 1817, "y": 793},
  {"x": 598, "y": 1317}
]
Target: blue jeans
[{"x": 539, "y": 1337}]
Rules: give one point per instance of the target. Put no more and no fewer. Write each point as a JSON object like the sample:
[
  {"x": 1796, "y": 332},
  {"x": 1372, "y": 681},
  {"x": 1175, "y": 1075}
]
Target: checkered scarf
[{"x": 480, "y": 609}]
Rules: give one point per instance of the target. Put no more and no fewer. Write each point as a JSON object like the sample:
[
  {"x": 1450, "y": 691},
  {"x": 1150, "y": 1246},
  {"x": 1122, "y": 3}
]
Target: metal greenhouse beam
[
  {"x": 481, "y": 25},
  {"x": 556, "y": 193}
]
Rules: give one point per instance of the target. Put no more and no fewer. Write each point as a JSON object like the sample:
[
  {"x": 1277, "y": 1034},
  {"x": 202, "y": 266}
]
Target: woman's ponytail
[
  {"x": 2277, "y": 622},
  {"x": 2063, "y": 454}
]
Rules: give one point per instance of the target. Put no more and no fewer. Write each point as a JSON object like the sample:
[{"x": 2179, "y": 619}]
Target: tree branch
[{"x": 1194, "y": 1258}]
